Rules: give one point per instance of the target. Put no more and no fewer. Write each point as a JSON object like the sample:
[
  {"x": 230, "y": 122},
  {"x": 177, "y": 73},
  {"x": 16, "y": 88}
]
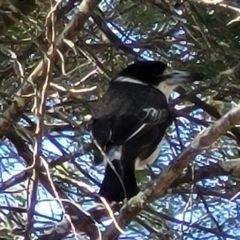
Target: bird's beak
[
  {"x": 178, "y": 78},
  {"x": 171, "y": 79}
]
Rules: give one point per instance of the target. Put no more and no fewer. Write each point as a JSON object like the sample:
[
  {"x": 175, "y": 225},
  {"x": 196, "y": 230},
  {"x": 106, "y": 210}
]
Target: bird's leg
[
  {"x": 137, "y": 200},
  {"x": 155, "y": 115}
]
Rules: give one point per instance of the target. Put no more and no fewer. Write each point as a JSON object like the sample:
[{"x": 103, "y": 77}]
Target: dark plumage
[{"x": 132, "y": 123}]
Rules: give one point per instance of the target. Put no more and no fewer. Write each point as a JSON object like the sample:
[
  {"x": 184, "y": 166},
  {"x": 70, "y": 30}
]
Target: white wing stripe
[{"x": 136, "y": 132}]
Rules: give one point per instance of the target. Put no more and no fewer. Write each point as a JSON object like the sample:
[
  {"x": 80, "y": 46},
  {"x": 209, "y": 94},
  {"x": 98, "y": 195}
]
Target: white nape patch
[
  {"x": 115, "y": 153},
  {"x": 129, "y": 80},
  {"x": 167, "y": 88},
  {"x": 141, "y": 164}
]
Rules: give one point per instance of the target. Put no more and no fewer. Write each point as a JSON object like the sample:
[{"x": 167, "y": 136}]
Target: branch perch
[{"x": 158, "y": 187}]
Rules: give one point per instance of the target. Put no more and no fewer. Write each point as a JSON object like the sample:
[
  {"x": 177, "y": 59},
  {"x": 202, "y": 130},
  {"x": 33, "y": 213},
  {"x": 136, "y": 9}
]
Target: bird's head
[{"x": 157, "y": 74}]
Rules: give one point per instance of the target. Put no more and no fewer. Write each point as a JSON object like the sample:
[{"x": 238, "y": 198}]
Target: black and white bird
[{"x": 132, "y": 123}]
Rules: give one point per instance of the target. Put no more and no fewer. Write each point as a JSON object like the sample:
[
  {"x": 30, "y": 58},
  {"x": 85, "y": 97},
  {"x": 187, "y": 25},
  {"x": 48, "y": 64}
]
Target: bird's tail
[
  {"x": 112, "y": 188},
  {"x": 119, "y": 182}
]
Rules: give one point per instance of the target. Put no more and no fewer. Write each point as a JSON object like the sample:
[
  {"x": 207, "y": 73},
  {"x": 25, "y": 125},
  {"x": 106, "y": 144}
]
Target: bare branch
[
  {"x": 70, "y": 32},
  {"x": 160, "y": 185}
]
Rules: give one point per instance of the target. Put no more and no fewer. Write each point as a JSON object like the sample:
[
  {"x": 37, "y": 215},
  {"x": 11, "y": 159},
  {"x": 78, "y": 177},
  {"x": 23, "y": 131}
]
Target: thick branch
[{"x": 160, "y": 185}]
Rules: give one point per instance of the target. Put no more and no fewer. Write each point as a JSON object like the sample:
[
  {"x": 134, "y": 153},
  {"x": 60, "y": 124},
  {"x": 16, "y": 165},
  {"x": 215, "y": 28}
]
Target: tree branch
[
  {"x": 161, "y": 184},
  {"x": 70, "y": 32}
]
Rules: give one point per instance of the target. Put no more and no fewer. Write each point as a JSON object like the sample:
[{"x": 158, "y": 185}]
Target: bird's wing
[
  {"x": 122, "y": 118},
  {"x": 126, "y": 126},
  {"x": 119, "y": 129}
]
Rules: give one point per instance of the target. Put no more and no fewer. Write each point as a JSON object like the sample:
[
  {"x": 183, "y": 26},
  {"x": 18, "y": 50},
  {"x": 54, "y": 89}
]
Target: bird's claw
[{"x": 138, "y": 200}]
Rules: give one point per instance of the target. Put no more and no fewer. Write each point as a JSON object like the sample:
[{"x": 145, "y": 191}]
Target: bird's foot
[{"x": 138, "y": 200}]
